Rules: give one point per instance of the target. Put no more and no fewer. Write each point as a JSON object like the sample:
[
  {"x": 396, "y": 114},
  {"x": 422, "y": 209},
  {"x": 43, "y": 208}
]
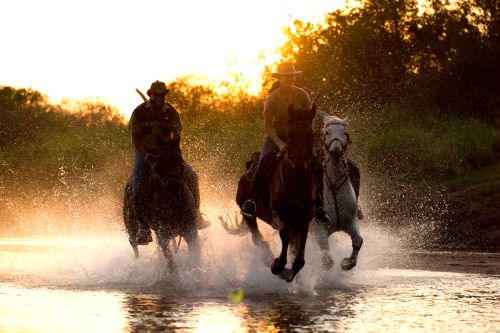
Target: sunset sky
[{"x": 105, "y": 49}]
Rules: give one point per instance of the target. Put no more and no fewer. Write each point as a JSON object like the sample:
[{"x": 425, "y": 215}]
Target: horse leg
[
  {"x": 135, "y": 248},
  {"x": 259, "y": 241},
  {"x": 357, "y": 242},
  {"x": 279, "y": 263},
  {"x": 299, "y": 261},
  {"x": 163, "y": 243},
  {"x": 321, "y": 235},
  {"x": 130, "y": 220},
  {"x": 194, "y": 248}
]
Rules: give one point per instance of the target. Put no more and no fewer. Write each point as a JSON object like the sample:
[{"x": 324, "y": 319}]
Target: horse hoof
[
  {"x": 328, "y": 262},
  {"x": 347, "y": 264},
  {"x": 276, "y": 267},
  {"x": 143, "y": 237},
  {"x": 287, "y": 275}
]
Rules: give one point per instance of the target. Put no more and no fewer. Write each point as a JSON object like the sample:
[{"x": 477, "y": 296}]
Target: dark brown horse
[
  {"x": 172, "y": 207},
  {"x": 289, "y": 199}
]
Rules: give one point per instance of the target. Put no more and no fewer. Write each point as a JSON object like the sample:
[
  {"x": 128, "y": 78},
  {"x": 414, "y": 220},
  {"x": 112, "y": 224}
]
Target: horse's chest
[{"x": 340, "y": 206}]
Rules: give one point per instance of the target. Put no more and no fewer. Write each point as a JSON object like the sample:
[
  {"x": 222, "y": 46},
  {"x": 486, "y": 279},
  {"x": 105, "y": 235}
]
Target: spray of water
[{"x": 104, "y": 259}]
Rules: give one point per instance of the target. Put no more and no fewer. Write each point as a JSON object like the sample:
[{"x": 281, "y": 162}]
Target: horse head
[
  {"x": 167, "y": 171},
  {"x": 300, "y": 137},
  {"x": 336, "y": 137}
]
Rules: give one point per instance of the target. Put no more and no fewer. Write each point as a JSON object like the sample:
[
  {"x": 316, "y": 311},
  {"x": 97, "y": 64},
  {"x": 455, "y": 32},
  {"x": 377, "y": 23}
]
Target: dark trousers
[
  {"x": 354, "y": 176},
  {"x": 267, "y": 157}
]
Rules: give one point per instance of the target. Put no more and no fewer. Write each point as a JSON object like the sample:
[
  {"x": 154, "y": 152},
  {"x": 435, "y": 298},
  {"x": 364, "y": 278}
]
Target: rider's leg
[
  {"x": 267, "y": 156},
  {"x": 192, "y": 182},
  {"x": 143, "y": 235},
  {"x": 355, "y": 178}
]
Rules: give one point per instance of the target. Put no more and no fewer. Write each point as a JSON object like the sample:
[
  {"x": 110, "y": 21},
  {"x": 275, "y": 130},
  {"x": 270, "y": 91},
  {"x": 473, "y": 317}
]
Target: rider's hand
[
  {"x": 149, "y": 157},
  {"x": 282, "y": 147}
]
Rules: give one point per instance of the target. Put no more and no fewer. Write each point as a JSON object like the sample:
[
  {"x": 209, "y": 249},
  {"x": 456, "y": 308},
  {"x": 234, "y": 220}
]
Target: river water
[{"x": 94, "y": 284}]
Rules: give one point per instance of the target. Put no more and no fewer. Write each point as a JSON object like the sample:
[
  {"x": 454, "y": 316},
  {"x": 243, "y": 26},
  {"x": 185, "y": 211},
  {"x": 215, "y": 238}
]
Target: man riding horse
[
  {"x": 155, "y": 127},
  {"x": 281, "y": 97}
]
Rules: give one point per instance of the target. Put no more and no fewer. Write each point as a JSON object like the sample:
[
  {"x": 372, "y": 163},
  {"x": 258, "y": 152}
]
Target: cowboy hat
[
  {"x": 285, "y": 68},
  {"x": 158, "y": 87}
]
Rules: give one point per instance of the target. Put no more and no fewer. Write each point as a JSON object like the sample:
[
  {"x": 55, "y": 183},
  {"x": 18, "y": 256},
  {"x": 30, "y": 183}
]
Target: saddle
[{"x": 255, "y": 179}]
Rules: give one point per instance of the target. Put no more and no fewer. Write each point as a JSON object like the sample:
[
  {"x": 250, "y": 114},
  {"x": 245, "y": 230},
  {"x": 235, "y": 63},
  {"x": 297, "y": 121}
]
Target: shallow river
[{"x": 95, "y": 285}]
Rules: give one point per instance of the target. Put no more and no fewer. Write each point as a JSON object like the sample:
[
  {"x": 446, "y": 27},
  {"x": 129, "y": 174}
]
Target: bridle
[
  {"x": 337, "y": 182},
  {"x": 163, "y": 181},
  {"x": 328, "y": 145}
]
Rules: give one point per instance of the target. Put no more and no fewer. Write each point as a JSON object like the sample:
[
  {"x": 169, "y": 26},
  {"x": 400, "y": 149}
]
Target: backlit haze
[{"x": 105, "y": 49}]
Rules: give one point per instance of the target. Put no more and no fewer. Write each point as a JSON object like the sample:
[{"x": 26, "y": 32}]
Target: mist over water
[{"x": 97, "y": 253}]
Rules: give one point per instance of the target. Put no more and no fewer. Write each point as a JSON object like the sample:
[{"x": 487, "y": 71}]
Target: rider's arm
[
  {"x": 170, "y": 131},
  {"x": 137, "y": 141},
  {"x": 135, "y": 128},
  {"x": 176, "y": 122},
  {"x": 268, "y": 125},
  {"x": 172, "y": 126}
]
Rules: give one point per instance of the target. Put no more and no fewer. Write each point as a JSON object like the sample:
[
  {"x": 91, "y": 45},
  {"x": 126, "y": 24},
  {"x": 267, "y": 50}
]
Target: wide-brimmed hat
[
  {"x": 158, "y": 87},
  {"x": 285, "y": 68}
]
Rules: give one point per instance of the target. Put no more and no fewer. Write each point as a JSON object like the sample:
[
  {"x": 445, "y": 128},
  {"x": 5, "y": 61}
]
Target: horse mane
[{"x": 299, "y": 114}]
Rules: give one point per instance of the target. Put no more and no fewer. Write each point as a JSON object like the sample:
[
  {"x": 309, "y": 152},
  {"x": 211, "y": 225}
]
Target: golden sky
[{"x": 107, "y": 48}]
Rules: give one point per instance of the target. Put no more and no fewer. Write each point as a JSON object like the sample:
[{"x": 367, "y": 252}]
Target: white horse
[{"x": 339, "y": 198}]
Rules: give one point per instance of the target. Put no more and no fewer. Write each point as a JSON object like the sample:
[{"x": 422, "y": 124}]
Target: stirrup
[
  {"x": 143, "y": 237},
  {"x": 248, "y": 209}
]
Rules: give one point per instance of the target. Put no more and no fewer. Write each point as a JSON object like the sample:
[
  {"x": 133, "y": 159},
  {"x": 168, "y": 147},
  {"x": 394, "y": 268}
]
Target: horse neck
[
  {"x": 164, "y": 163},
  {"x": 296, "y": 181},
  {"x": 336, "y": 172}
]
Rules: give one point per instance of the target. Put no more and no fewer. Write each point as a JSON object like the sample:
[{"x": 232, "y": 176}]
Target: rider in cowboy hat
[
  {"x": 281, "y": 96},
  {"x": 154, "y": 125}
]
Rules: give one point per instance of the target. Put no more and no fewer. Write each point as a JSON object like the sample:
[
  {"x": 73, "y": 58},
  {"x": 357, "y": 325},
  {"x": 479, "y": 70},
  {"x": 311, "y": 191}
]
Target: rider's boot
[
  {"x": 249, "y": 207},
  {"x": 320, "y": 214},
  {"x": 143, "y": 235}
]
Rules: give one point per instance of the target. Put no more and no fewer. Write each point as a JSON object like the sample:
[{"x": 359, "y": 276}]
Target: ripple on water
[{"x": 97, "y": 286}]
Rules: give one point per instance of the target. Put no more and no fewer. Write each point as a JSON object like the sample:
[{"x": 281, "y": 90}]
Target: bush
[{"x": 426, "y": 145}]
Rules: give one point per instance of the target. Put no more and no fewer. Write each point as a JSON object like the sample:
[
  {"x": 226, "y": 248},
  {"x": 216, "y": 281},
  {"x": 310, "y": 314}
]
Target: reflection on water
[
  {"x": 75, "y": 286},
  {"x": 49, "y": 310}
]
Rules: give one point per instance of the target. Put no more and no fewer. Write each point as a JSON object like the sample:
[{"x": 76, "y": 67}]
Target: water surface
[{"x": 95, "y": 285}]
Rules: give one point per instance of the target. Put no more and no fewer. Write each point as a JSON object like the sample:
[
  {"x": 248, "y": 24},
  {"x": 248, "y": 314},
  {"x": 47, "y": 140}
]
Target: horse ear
[{"x": 346, "y": 119}]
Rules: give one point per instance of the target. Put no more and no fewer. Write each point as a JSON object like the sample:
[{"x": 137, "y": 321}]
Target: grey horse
[{"x": 339, "y": 197}]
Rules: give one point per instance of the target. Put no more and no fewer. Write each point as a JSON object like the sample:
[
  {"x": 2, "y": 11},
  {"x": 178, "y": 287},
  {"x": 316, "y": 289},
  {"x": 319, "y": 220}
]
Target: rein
[{"x": 163, "y": 182}]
